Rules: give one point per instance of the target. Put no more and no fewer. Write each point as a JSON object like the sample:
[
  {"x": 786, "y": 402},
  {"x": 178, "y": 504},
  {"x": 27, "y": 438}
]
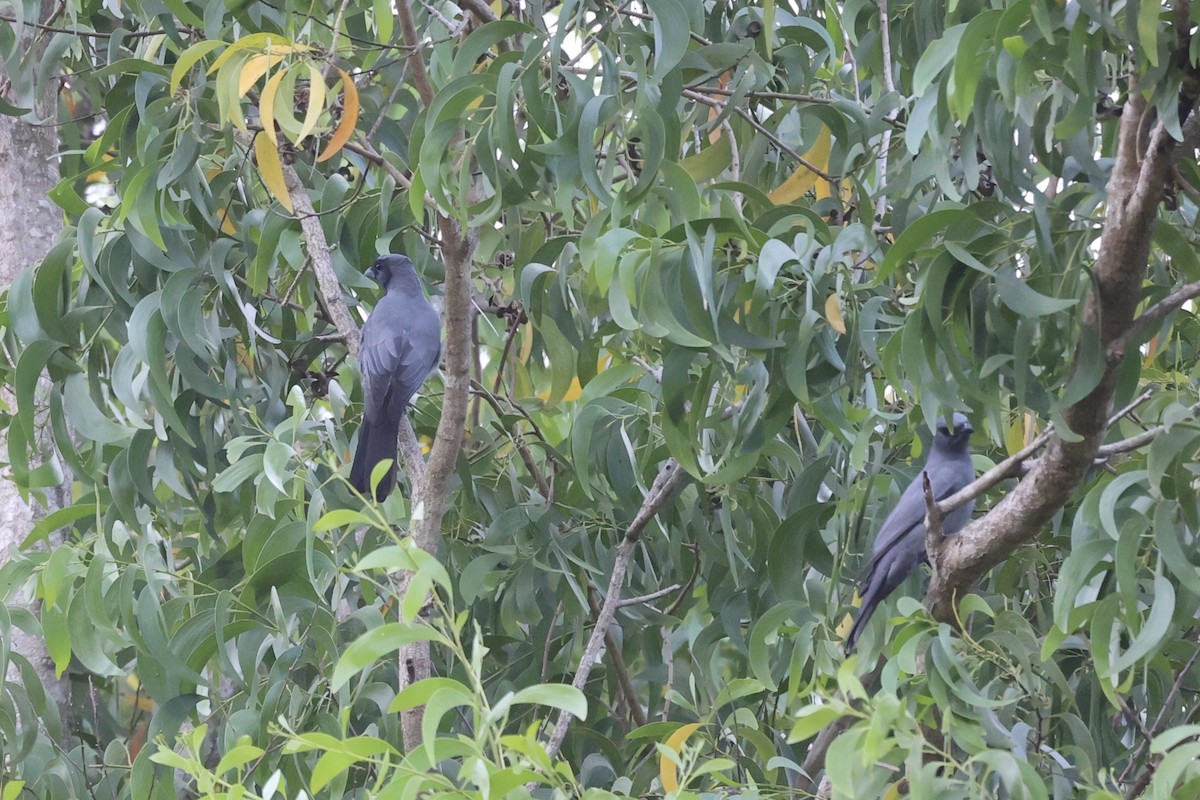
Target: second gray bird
[
  {"x": 401, "y": 346},
  {"x": 900, "y": 545}
]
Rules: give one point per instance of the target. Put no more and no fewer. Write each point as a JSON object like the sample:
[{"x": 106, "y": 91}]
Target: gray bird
[
  {"x": 900, "y": 545},
  {"x": 401, "y": 346}
]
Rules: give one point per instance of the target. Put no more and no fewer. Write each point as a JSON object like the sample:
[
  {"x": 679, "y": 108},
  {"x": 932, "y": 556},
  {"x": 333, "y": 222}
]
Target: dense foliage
[{"x": 761, "y": 239}]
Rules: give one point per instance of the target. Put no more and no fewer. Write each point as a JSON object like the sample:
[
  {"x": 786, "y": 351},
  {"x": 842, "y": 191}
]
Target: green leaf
[
  {"x": 1148, "y": 12},
  {"x": 341, "y": 518},
  {"x": 238, "y": 757},
  {"x": 553, "y": 695},
  {"x": 916, "y": 235},
  {"x": 418, "y": 694},
  {"x": 973, "y": 55},
  {"x": 1155, "y": 627},
  {"x": 247, "y": 468},
  {"x": 376, "y": 643},
  {"x": 672, "y": 34},
  {"x": 935, "y": 58},
  {"x": 87, "y": 419},
  {"x": 1017, "y": 295},
  {"x": 482, "y": 40}
]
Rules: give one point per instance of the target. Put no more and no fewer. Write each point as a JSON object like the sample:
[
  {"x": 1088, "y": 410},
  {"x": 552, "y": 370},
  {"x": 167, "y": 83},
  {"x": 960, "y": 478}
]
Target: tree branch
[
  {"x": 416, "y": 61},
  {"x": 889, "y": 82},
  {"x": 624, "y": 681},
  {"x": 1008, "y": 468},
  {"x": 648, "y": 598},
  {"x": 429, "y": 498},
  {"x": 670, "y": 477},
  {"x": 517, "y": 440},
  {"x": 328, "y": 285},
  {"x": 1152, "y": 317},
  {"x": 1135, "y": 188},
  {"x": 933, "y": 522},
  {"x": 482, "y": 11}
]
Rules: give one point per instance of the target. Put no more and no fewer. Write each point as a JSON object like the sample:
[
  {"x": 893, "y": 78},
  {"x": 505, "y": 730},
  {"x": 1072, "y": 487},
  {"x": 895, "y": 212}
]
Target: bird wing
[
  {"x": 401, "y": 345},
  {"x": 946, "y": 477}
]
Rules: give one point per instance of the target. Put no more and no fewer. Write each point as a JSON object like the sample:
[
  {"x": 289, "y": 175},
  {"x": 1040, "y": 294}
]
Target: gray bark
[{"x": 29, "y": 225}]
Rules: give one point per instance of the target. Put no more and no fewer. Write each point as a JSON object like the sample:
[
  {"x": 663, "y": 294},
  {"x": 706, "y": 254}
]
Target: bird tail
[
  {"x": 865, "y": 610},
  {"x": 376, "y": 442}
]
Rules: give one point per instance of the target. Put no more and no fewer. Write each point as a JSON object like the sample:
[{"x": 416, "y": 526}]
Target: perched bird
[
  {"x": 401, "y": 346},
  {"x": 900, "y": 545}
]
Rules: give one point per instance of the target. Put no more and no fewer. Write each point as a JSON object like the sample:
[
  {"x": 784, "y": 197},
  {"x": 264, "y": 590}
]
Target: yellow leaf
[
  {"x": 345, "y": 128},
  {"x": 1020, "y": 433},
  {"x": 716, "y": 132},
  {"x": 244, "y": 357},
  {"x": 265, "y": 42},
  {"x": 526, "y": 343},
  {"x": 573, "y": 392},
  {"x": 833, "y": 313},
  {"x": 316, "y": 102},
  {"x": 667, "y": 771},
  {"x": 804, "y": 179},
  {"x": 266, "y": 108},
  {"x": 271, "y": 170},
  {"x": 226, "y": 223},
  {"x": 1151, "y": 350},
  {"x": 254, "y": 68},
  {"x": 893, "y": 792},
  {"x": 843, "y": 628}
]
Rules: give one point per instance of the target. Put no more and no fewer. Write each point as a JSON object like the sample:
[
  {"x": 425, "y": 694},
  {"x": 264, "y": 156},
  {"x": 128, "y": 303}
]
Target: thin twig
[
  {"x": 735, "y": 161},
  {"x": 624, "y": 681},
  {"x": 1144, "y": 779},
  {"x": 558, "y": 609},
  {"x": 1140, "y": 440},
  {"x": 670, "y": 477},
  {"x": 881, "y": 162},
  {"x": 518, "y": 442},
  {"x": 1156, "y": 727},
  {"x": 687, "y": 587},
  {"x": 642, "y": 16},
  {"x": 647, "y": 598},
  {"x": 1012, "y": 466},
  {"x": 125, "y": 34},
  {"x": 1154, "y": 315},
  {"x": 336, "y": 29},
  {"x": 758, "y": 126},
  {"x": 655, "y": 372},
  {"x": 416, "y": 62},
  {"x": 513, "y": 325},
  {"x": 482, "y": 11}
]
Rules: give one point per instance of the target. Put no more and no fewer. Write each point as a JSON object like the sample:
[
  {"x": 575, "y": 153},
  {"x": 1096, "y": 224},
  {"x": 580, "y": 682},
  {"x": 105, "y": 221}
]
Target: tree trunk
[{"x": 29, "y": 225}]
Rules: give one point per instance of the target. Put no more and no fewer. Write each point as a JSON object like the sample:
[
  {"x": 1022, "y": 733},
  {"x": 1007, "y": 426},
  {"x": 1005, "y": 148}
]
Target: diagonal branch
[
  {"x": 482, "y": 11},
  {"x": 1152, "y": 316},
  {"x": 328, "y": 285},
  {"x": 670, "y": 477},
  {"x": 416, "y": 58},
  {"x": 1134, "y": 191},
  {"x": 1008, "y": 468},
  {"x": 1140, "y": 440}
]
